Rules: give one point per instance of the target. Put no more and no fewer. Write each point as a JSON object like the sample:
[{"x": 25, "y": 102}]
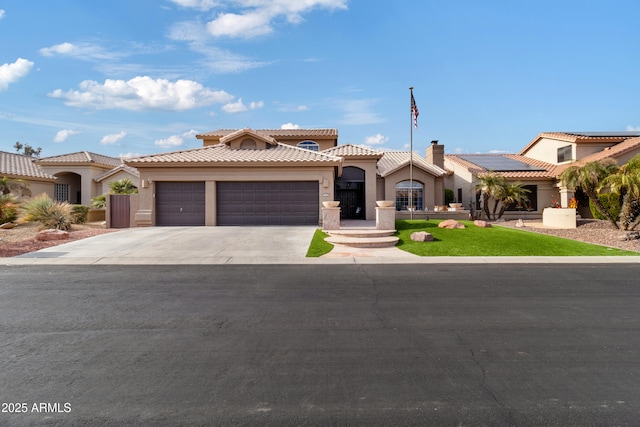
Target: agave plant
[{"x": 49, "y": 213}]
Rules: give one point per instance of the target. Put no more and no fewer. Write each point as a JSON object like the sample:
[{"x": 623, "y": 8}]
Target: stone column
[
  {"x": 331, "y": 218},
  {"x": 565, "y": 195},
  {"x": 385, "y": 218}
]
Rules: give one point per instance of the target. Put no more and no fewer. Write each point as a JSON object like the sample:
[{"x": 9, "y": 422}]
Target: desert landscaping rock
[
  {"x": 481, "y": 223},
  {"x": 8, "y": 226},
  {"x": 52, "y": 234},
  {"x": 421, "y": 236},
  {"x": 451, "y": 224}
]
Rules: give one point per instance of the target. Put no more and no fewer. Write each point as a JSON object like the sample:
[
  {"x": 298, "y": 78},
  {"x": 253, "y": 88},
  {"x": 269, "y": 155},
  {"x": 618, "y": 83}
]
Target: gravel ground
[
  {"x": 588, "y": 230},
  {"x": 21, "y": 240}
]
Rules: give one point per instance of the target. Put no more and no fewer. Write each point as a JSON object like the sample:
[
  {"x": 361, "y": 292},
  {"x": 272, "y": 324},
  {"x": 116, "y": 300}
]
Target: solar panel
[
  {"x": 501, "y": 164},
  {"x": 628, "y": 134}
]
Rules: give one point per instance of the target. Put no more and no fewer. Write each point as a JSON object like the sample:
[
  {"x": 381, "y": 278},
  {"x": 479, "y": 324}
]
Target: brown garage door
[
  {"x": 180, "y": 203},
  {"x": 268, "y": 203}
]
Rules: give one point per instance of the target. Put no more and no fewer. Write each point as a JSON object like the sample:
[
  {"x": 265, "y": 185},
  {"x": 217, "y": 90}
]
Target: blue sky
[{"x": 129, "y": 77}]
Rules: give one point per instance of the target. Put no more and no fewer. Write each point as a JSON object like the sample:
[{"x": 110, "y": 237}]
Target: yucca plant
[{"x": 49, "y": 213}]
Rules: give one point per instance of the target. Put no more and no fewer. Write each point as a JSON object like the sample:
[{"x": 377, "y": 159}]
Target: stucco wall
[
  {"x": 104, "y": 185},
  {"x": 88, "y": 187},
  {"x": 433, "y": 188},
  {"x": 145, "y": 214},
  {"x": 546, "y": 150}
]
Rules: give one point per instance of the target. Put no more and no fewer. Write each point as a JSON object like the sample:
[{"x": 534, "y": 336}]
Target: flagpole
[{"x": 411, "y": 153}]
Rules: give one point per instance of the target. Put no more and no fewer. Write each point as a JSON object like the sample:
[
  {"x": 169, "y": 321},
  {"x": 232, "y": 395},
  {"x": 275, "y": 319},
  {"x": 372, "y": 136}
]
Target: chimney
[{"x": 435, "y": 154}]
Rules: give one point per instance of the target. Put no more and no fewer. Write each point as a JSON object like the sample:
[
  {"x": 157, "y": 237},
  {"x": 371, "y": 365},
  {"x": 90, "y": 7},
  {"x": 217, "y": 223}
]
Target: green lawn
[
  {"x": 475, "y": 241},
  {"x": 494, "y": 241}
]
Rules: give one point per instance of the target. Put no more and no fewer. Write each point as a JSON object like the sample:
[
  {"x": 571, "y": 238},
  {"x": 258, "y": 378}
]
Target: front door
[{"x": 350, "y": 189}]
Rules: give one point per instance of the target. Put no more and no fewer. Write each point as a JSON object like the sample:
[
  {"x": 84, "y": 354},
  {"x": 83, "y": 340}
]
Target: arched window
[
  {"x": 309, "y": 145},
  {"x": 403, "y": 190}
]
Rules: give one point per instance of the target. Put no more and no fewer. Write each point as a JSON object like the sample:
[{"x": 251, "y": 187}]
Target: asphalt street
[{"x": 418, "y": 344}]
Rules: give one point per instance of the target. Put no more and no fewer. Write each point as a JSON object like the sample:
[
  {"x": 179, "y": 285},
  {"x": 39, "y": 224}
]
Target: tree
[
  {"x": 27, "y": 150},
  {"x": 589, "y": 178},
  {"x": 122, "y": 186},
  {"x": 626, "y": 182},
  {"x": 513, "y": 193},
  {"x": 489, "y": 185},
  {"x": 8, "y": 185}
]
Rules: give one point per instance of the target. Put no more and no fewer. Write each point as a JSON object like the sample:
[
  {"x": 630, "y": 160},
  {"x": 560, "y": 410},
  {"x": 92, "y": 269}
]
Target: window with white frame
[
  {"x": 404, "y": 190},
  {"x": 309, "y": 145}
]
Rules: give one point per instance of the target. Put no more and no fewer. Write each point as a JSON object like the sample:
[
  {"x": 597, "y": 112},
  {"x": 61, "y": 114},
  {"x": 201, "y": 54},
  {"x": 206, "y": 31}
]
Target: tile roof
[
  {"x": 392, "y": 161},
  {"x": 547, "y": 172},
  {"x": 275, "y": 133},
  {"x": 350, "y": 150},
  {"x": 121, "y": 167},
  {"x": 578, "y": 137},
  {"x": 81, "y": 157},
  {"x": 222, "y": 154},
  {"x": 614, "y": 152},
  {"x": 20, "y": 166}
]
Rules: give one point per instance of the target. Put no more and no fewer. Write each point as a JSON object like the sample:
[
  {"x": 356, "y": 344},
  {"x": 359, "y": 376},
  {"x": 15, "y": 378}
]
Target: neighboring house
[
  {"x": 538, "y": 167},
  {"x": 276, "y": 177},
  {"x": 18, "y": 166},
  {"x": 76, "y": 174}
]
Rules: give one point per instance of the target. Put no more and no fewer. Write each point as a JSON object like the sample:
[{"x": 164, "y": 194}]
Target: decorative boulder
[
  {"x": 8, "y": 225},
  {"x": 520, "y": 223},
  {"x": 450, "y": 223},
  {"x": 52, "y": 234},
  {"x": 481, "y": 223},
  {"x": 421, "y": 236}
]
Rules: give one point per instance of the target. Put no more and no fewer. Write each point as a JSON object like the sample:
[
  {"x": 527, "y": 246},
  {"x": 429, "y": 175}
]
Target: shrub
[
  {"x": 449, "y": 196},
  {"x": 79, "y": 213},
  {"x": 8, "y": 208},
  {"x": 99, "y": 202},
  {"x": 611, "y": 201},
  {"x": 49, "y": 213}
]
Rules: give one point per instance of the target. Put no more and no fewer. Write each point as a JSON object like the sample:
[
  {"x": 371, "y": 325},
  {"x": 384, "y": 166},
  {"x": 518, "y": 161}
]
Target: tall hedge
[{"x": 611, "y": 201}]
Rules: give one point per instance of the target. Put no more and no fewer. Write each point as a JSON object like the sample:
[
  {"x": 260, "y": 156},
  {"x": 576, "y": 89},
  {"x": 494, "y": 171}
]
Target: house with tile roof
[
  {"x": 276, "y": 177},
  {"x": 18, "y": 166},
  {"x": 538, "y": 167},
  {"x": 76, "y": 173}
]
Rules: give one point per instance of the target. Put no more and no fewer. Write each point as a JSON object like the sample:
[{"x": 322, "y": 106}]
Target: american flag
[{"x": 414, "y": 111}]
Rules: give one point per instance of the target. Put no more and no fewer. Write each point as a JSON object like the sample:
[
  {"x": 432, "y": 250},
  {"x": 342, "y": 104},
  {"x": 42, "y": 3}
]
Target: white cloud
[
  {"x": 175, "y": 140},
  {"x": 377, "y": 139},
  {"x": 62, "y": 135},
  {"x": 289, "y": 126},
  {"x": 293, "y": 108},
  {"x": 239, "y": 107},
  {"x": 633, "y": 128},
  {"x": 112, "y": 138},
  {"x": 141, "y": 93},
  {"x": 1, "y": 13},
  {"x": 358, "y": 112},
  {"x": 85, "y": 51},
  {"x": 202, "y": 5},
  {"x": 258, "y": 16},
  {"x": 10, "y": 73},
  {"x": 130, "y": 155}
]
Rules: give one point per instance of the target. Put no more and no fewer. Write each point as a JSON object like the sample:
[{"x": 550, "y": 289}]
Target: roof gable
[
  {"x": 80, "y": 158},
  {"x": 581, "y": 137},
  {"x": 392, "y": 161},
  {"x": 354, "y": 151}
]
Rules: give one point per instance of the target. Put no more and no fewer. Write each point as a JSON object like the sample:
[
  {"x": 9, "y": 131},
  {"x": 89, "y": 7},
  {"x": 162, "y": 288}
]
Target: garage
[
  {"x": 268, "y": 203},
  {"x": 180, "y": 203}
]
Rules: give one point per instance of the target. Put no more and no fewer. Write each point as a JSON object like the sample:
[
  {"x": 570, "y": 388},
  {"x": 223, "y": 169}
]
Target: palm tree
[
  {"x": 627, "y": 183},
  {"x": 489, "y": 185},
  {"x": 8, "y": 185},
  {"x": 513, "y": 193},
  {"x": 122, "y": 186},
  {"x": 589, "y": 177}
]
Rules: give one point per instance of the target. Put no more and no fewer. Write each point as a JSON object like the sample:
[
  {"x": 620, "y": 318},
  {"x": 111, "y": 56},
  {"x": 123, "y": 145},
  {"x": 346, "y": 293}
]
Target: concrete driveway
[{"x": 185, "y": 245}]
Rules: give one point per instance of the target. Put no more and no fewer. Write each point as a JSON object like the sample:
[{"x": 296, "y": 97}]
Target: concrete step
[
  {"x": 362, "y": 232},
  {"x": 363, "y": 242}
]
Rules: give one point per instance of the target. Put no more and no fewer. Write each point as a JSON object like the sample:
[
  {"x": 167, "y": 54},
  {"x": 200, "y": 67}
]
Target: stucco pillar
[
  {"x": 385, "y": 218},
  {"x": 331, "y": 218},
  {"x": 565, "y": 195}
]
